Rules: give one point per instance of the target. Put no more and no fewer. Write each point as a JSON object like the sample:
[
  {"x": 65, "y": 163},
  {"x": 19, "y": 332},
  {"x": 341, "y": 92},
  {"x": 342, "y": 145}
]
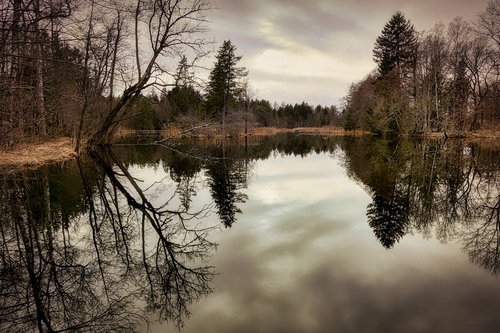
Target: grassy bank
[
  {"x": 37, "y": 154},
  {"x": 211, "y": 130}
]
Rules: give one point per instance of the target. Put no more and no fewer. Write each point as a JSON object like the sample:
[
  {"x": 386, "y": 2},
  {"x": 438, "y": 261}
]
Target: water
[{"x": 280, "y": 234}]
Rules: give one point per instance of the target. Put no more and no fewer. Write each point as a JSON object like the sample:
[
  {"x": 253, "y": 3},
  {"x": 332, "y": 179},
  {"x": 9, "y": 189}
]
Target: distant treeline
[
  {"x": 187, "y": 107},
  {"x": 446, "y": 79}
]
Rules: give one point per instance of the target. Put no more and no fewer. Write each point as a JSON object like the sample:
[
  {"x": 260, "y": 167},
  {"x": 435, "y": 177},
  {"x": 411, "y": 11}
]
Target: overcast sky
[{"x": 312, "y": 50}]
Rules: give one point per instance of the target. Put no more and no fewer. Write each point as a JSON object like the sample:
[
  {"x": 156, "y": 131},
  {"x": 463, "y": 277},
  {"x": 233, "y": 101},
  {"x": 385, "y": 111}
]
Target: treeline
[
  {"x": 80, "y": 67},
  {"x": 227, "y": 100},
  {"x": 443, "y": 80},
  {"x": 187, "y": 107}
]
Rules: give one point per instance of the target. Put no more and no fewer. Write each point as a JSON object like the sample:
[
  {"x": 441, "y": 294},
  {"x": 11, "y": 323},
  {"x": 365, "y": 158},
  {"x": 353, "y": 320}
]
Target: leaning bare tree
[{"x": 162, "y": 28}]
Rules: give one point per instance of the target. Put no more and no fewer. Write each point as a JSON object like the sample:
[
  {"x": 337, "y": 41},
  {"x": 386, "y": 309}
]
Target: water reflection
[
  {"x": 99, "y": 245},
  {"x": 166, "y": 250},
  {"x": 50, "y": 282},
  {"x": 103, "y": 260},
  {"x": 448, "y": 190}
]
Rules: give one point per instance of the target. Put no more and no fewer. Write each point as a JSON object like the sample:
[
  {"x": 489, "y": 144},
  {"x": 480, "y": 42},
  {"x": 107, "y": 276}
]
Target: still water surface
[{"x": 280, "y": 234}]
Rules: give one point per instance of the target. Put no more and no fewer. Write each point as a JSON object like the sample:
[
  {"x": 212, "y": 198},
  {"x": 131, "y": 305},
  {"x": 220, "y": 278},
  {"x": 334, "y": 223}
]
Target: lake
[{"x": 286, "y": 233}]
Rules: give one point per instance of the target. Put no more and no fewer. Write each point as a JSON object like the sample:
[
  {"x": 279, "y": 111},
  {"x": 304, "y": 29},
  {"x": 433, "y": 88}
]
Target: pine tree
[
  {"x": 395, "y": 48},
  {"x": 225, "y": 84},
  {"x": 395, "y": 53},
  {"x": 183, "y": 99},
  {"x": 184, "y": 76}
]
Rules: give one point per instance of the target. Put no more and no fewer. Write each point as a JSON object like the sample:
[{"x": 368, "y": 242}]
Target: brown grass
[
  {"x": 38, "y": 154},
  {"x": 331, "y": 131},
  {"x": 216, "y": 131}
]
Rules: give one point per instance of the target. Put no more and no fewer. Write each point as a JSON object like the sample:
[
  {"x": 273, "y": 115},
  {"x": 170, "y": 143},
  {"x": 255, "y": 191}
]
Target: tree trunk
[
  {"x": 85, "y": 83},
  {"x": 113, "y": 61},
  {"x": 14, "y": 70},
  {"x": 39, "y": 86}
]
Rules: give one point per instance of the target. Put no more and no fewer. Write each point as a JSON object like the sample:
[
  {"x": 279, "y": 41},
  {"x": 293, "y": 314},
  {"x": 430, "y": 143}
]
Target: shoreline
[
  {"x": 34, "y": 155},
  {"x": 216, "y": 132}
]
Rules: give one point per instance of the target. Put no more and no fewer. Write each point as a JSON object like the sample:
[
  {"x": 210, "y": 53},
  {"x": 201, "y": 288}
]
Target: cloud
[{"x": 317, "y": 39}]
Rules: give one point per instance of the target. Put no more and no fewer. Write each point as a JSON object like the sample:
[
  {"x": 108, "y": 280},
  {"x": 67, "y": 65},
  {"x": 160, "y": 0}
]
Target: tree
[
  {"x": 144, "y": 117},
  {"x": 225, "y": 86},
  {"x": 183, "y": 100},
  {"x": 172, "y": 25},
  {"x": 264, "y": 113},
  {"x": 459, "y": 32},
  {"x": 395, "y": 47},
  {"x": 395, "y": 54},
  {"x": 359, "y": 104},
  {"x": 489, "y": 21},
  {"x": 183, "y": 77},
  {"x": 431, "y": 80}
]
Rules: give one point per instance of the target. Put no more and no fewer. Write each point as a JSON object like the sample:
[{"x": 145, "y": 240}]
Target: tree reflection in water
[
  {"x": 121, "y": 257},
  {"x": 388, "y": 217},
  {"x": 226, "y": 178},
  {"x": 90, "y": 247},
  {"x": 172, "y": 284},
  {"x": 448, "y": 190}
]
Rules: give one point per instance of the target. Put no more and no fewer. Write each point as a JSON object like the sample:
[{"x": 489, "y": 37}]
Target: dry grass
[
  {"x": 35, "y": 155},
  {"x": 331, "y": 131},
  {"x": 216, "y": 131}
]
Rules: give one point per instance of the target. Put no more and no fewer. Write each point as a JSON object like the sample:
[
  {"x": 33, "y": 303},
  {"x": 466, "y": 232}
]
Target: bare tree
[
  {"x": 171, "y": 26},
  {"x": 489, "y": 21}
]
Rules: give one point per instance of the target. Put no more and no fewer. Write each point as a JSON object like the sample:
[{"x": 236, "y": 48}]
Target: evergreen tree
[
  {"x": 395, "y": 54},
  {"x": 395, "y": 48},
  {"x": 145, "y": 117},
  {"x": 225, "y": 84},
  {"x": 184, "y": 76},
  {"x": 183, "y": 99}
]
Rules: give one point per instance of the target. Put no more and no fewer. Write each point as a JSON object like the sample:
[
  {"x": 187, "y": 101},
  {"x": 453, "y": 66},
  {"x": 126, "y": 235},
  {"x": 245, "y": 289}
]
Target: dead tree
[{"x": 171, "y": 27}]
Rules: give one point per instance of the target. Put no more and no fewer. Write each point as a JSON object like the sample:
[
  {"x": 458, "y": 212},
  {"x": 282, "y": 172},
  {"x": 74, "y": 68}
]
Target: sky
[{"x": 312, "y": 50}]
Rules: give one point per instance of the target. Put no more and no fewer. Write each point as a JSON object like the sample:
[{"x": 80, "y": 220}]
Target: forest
[
  {"x": 84, "y": 68},
  {"x": 443, "y": 80}
]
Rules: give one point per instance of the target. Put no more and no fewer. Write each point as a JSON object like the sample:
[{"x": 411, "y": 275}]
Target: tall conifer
[
  {"x": 395, "y": 48},
  {"x": 225, "y": 84}
]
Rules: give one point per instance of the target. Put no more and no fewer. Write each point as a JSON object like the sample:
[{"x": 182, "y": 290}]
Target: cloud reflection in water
[{"x": 313, "y": 264}]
